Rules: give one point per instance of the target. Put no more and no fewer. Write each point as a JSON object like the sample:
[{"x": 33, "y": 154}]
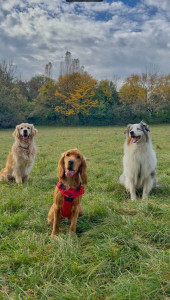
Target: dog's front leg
[
  {"x": 132, "y": 190},
  {"x": 18, "y": 177},
  {"x": 56, "y": 220},
  {"x": 147, "y": 186},
  {"x": 74, "y": 218}
]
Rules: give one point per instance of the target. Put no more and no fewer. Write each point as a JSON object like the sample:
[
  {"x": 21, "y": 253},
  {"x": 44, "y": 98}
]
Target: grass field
[{"x": 121, "y": 247}]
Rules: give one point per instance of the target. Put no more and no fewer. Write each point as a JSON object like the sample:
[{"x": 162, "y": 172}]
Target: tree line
[{"x": 79, "y": 99}]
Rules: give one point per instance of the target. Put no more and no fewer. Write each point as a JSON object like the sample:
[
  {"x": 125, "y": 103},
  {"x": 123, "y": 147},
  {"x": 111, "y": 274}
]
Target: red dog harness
[{"x": 68, "y": 197}]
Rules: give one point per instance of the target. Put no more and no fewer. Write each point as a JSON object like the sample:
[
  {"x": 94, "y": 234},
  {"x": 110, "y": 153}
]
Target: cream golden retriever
[
  {"x": 139, "y": 161},
  {"x": 21, "y": 158}
]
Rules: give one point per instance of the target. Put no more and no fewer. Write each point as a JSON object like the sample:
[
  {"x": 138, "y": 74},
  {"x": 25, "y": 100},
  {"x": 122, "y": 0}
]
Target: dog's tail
[{"x": 50, "y": 217}]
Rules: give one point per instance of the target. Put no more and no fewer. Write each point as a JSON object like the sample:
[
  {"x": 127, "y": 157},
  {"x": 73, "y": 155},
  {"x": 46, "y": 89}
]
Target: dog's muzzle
[
  {"x": 70, "y": 165},
  {"x": 132, "y": 133},
  {"x": 25, "y": 133}
]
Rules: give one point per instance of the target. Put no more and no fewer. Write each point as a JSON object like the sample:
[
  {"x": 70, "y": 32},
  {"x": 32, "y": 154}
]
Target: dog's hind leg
[
  {"x": 56, "y": 221},
  {"x": 154, "y": 180},
  {"x": 5, "y": 176},
  {"x": 25, "y": 179},
  {"x": 80, "y": 211},
  {"x": 50, "y": 217},
  {"x": 122, "y": 179}
]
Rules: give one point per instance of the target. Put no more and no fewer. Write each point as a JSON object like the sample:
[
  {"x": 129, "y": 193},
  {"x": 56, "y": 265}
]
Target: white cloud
[
  {"x": 108, "y": 38},
  {"x": 163, "y": 4}
]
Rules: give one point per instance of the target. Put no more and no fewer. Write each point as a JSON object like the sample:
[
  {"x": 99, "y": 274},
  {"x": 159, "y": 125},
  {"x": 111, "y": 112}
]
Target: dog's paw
[
  {"x": 53, "y": 235},
  {"x": 72, "y": 232},
  {"x": 48, "y": 222},
  {"x": 144, "y": 197}
]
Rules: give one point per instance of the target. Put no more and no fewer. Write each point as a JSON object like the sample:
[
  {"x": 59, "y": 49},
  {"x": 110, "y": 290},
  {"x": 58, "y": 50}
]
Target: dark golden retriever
[{"x": 71, "y": 171}]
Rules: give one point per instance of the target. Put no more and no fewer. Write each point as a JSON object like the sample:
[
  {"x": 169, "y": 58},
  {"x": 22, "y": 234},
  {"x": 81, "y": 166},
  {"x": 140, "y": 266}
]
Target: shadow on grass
[
  {"x": 161, "y": 190},
  {"x": 123, "y": 194},
  {"x": 84, "y": 224},
  {"x": 44, "y": 183}
]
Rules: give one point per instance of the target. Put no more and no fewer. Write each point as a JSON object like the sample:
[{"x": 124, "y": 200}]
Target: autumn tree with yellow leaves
[
  {"x": 74, "y": 93},
  {"x": 148, "y": 90},
  {"x": 79, "y": 99},
  {"x": 133, "y": 90}
]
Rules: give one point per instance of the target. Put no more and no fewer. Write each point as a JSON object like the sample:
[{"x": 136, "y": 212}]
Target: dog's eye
[
  {"x": 68, "y": 154},
  {"x": 28, "y": 127},
  {"x": 78, "y": 156},
  {"x": 21, "y": 128}
]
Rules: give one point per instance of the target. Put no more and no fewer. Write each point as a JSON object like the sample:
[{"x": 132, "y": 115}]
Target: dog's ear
[
  {"x": 83, "y": 171},
  {"x": 60, "y": 168},
  {"x": 144, "y": 126},
  {"x": 127, "y": 129},
  {"x": 145, "y": 129},
  {"x": 34, "y": 131},
  {"x": 16, "y": 132}
]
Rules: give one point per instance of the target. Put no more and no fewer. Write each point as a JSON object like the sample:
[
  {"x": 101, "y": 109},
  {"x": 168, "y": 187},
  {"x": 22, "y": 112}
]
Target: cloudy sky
[{"x": 109, "y": 38}]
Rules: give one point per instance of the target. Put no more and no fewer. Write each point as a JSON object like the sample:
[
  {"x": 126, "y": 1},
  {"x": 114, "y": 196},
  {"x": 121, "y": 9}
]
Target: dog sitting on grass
[
  {"x": 21, "y": 158},
  {"x": 72, "y": 172},
  {"x": 139, "y": 161}
]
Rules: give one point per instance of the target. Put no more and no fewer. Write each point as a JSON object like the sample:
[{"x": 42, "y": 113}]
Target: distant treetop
[{"x": 69, "y": 65}]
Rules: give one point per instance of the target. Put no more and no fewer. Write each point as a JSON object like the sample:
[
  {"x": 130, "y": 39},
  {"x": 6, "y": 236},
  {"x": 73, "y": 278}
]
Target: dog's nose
[
  {"x": 70, "y": 163},
  {"x": 25, "y": 131},
  {"x": 132, "y": 133}
]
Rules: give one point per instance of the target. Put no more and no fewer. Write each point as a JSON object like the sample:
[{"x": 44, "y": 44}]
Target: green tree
[
  {"x": 14, "y": 108},
  {"x": 30, "y": 89},
  {"x": 107, "y": 109},
  {"x": 45, "y": 103}
]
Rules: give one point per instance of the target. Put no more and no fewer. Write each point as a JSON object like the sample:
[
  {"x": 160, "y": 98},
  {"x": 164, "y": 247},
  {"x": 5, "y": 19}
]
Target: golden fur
[
  {"x": 80, "y": 175},
  {"x": 21, "y": 158}
]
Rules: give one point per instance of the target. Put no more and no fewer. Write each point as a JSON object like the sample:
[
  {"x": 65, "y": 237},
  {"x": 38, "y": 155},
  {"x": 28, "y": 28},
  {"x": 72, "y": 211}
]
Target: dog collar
[{"x": 23, "y": 147}]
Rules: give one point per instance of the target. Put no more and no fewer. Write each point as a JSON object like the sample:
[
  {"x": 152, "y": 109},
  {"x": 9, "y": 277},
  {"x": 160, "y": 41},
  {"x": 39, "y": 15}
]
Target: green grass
[{"x": 121, "y": 247}]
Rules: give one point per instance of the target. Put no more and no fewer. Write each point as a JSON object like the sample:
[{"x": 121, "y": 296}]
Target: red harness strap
[{"x": 68, "y": 197}]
